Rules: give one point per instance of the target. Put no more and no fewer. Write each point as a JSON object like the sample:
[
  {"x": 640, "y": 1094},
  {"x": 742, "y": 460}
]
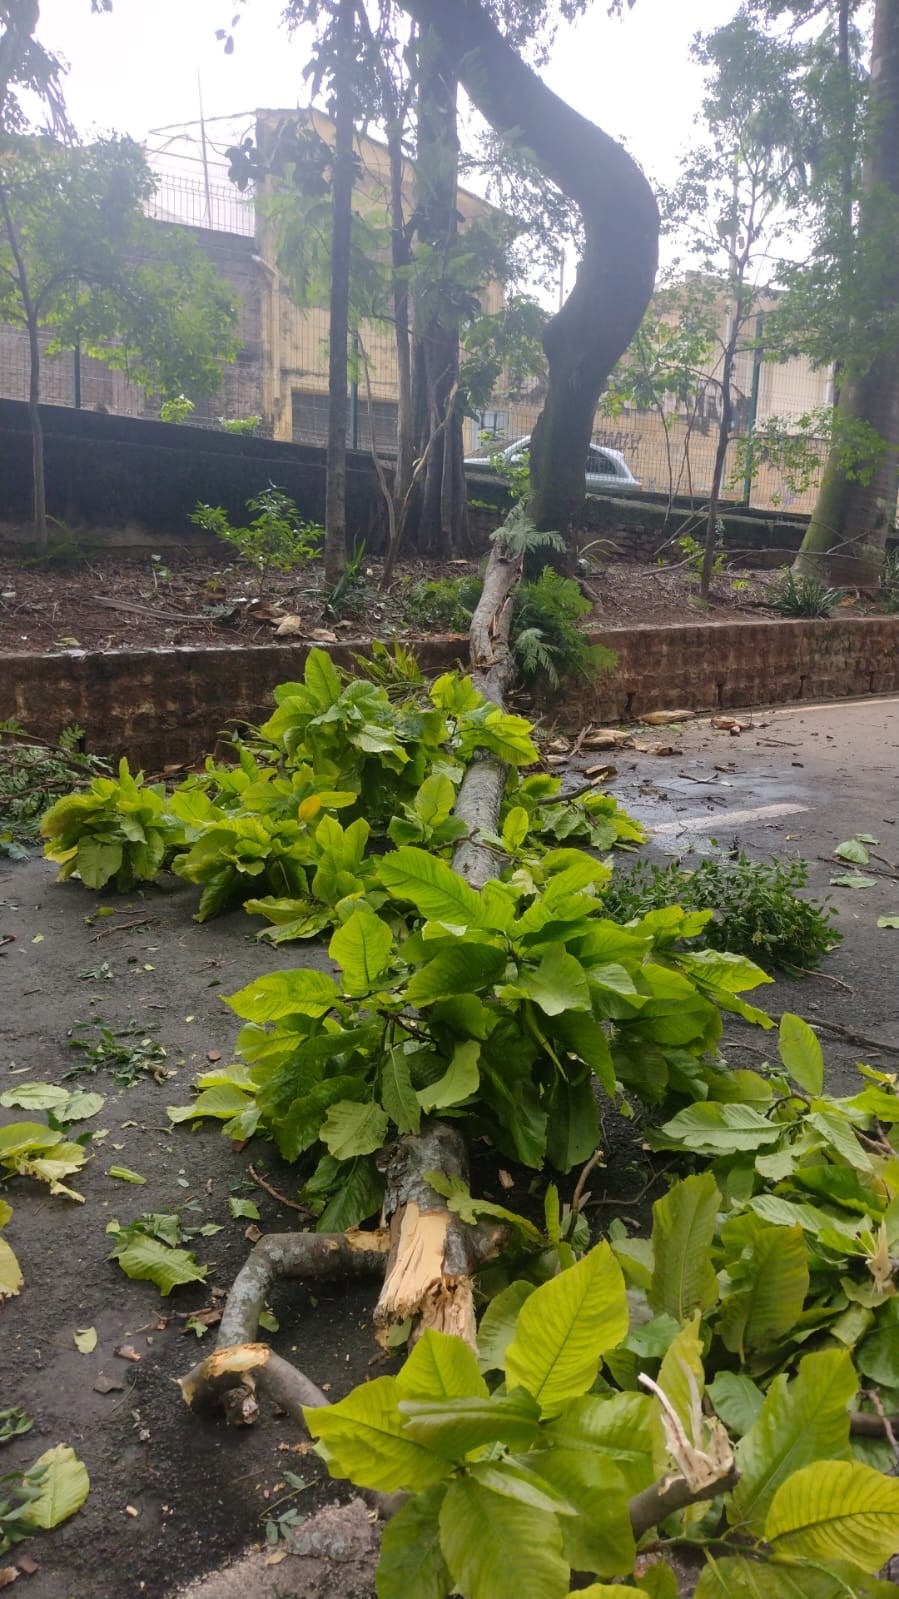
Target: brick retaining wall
[{"x": 170, "y": 705}]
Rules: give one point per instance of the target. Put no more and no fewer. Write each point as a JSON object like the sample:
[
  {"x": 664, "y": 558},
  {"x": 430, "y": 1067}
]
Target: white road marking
[{"x": 699, "y": 824}]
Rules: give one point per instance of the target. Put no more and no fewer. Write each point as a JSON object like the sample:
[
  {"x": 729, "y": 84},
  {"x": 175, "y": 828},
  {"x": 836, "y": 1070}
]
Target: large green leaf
[
  {"x": 737, "y": 1400},
  {"x": 801, "y": 1053},
  {"x": 773, "y": 1283},
  {"x": 302, "y": 992},
  {"x": 458, "y": 969},
  {"x": 499, "y": 1548},
  {"x": 150, "y": 1260},
  {"x": 600, "y": 1538},
  {"x": 608, "y": 1590},
  {"x": 624, "y": 1430},
  {"x": 64, "y": 1486},
  {"x": 441, "y": 1367},
  {"x": 583, "y": 1037},
  {"x": 362, "y": 1437},
  {"x": 11, "y": 1279},
  {"x": 359, "y": 1195},
  {"x": 97, "y": 861},
  {"x": 397, "y": 1094},
  {"x": 715, "y": 1129},
  {"x": 351, "y": 1128},
  {"x": 736, "y": 1577},
  {"x": 802, "y": 1421},
  {"x": 683, "y": 1226},
  {"x": 558, "y": 984},
  {"x": 459, "y": 1081},
  {"x": 497, "y": 1325},
  {"x": 453, "y": 1427},
  {"x": 435, "y": 890},
  {"x": 412, "y": 1564},
  {"x": 565, "y": 1327},
  {"x": 836, "y": 1510},
  {"x": 362, "y": 948}
]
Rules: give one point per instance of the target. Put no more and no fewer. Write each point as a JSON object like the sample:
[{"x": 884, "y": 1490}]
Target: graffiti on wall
[{"x": 622, "y": 441}]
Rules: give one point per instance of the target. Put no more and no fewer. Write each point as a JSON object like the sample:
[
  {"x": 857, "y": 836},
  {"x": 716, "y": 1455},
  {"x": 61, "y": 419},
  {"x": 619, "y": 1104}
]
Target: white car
[{"x": 607, "y": 472}]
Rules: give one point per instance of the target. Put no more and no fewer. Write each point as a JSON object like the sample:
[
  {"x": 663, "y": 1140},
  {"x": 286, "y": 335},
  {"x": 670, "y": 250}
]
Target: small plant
[
  {"x": 757, "y": 907},
  {"x": 889, "y": 581},
  {"x": 799, "y": 595},
  {"x": 33, "y": 773},
  {"x": 546, "y": 639},
  {"x": 247, "y": 426},
  {"x": 348, "y": 593},
  {"x": 178, "y": 409},
  {"x": 694, "y": 550},
  {"x": 444, "y": 604},
  {"x": 116, "y": 831},
  {"x": 515, "y": 472},
  {"x": 276, "y": 540}
]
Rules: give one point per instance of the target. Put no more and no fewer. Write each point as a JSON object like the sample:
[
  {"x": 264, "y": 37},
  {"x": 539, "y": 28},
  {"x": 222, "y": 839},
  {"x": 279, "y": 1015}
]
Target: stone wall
[{"x": 161, "y": 707}]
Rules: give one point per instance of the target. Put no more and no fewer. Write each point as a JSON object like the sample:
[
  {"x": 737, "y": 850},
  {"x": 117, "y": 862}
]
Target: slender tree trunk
[
  {"x": 39, "y": 477},
  {"x": 847, "y": 532},
  {"x": 401, "y": 257},
  {"x": 39, "y": 487},
  {"x": 435, "y": 511},
  {"x": 342, "y": 210},
  {"x": 621, "y": 229},
  {"x": 724, "y": 427}
]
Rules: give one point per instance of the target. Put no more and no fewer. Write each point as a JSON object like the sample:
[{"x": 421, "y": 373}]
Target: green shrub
[
  {"x": 546, "y": 639},
  {"x": 277, "y": 539},
  {"x": 803, "y": 596},
  {"x": 445, "y": 604},
  {"x": 757, "y": 907}
]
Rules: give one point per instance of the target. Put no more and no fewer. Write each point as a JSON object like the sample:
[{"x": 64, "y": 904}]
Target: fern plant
[{"x": 546, "y": 639}]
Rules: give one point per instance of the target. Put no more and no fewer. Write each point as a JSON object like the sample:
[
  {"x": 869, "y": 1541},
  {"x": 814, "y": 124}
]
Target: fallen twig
[
  {"x": 124, "y": 927},
  {"x": 292, "y": 1204}
]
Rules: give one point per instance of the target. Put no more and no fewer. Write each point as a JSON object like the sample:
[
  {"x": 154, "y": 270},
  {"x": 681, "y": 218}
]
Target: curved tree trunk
[
  {"x": 621, "y": 225},
  {"x": 847, "y": 533}
]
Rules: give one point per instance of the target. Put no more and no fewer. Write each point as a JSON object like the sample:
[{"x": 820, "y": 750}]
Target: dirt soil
[{"x": 143, "y": 601}]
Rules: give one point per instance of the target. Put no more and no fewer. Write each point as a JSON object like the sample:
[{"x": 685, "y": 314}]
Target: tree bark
[
  {"x": 38, "y": 475},
  {"x": 434, "y": 512},
  {"x": 621, "y": 226},
  {"x": 846, "y": 535},
  {"x": 341, "y": 214},
  {"x": 724, "y": 427}
]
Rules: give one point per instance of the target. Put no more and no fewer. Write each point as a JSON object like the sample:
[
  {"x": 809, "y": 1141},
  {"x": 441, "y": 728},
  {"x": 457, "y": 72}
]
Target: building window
[{"x": 490, "y": 425}]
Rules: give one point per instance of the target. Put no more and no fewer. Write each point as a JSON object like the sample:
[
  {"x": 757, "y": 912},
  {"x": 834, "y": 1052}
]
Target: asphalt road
[{"x": 798, "y": 780}]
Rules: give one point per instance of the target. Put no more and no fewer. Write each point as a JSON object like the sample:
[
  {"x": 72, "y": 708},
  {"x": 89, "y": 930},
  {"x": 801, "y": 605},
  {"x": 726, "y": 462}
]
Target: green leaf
[
  {"x": 358, "y": 1197},
  {"x": 435, "y": 890},
  {"x": 497, "y": 1325},
  {"x": 321, "y": 679},
  {"x": 756, "y": 1315},
  {"x": 150, "y": 1260},
  {"x": 715, "y": 1129},
  {"x": 67, "y": 1106},
  {"x": 801, "y": 1054},
  {"x": 836, "y": 1510},
  {"x": 737, "y": 1400},
  {"x": 888, "y": 921},
  {"x": 583, "y": 1037},
  {"x": 290, "y": 993},
  {"x": 351, "y": 1128},
  {"x": 600, "y": 1537},
  {"x": 459, "y": 969},
  {"x": 558, "y": 984},
  {"x": 683, "y": 1226},
  {"x": 658, "y": 1581},
  {"x": 853, "y": 850},
  {"x": 397, "y": 1094},
  {"x": 441, "y": 1367},
  {"x": 222, "y": 1102},
  {"x": 412, "y": 1564},
  {"x": 515, "y": 828},
  {"x": 243, "y": 1209},
  {"x": 97, "y": 862},
  {"x": 608, "y": 1590},
  {"x": 624, "y": 1430},
  {"x": 85, "y": 1340},
  {"x": 514, "y": 1479},
  {"x": 64, "y": 1486},
  {"x": 454, "y": 1427},
  {"x": 741, "y": 1578},
  {"x": 362, "y": 1437},
  {"x": 459, "y": 1081},
  {"x": 362, "y": 948},
  {"x": 124, "y": 1174},
  {"x": 11, "y": 1279},
  {"x": 853, "y": 880},
  {"x": 565, "y": 1327},
  {"x": 497, "y": 1548},
  {"x": 800, "y": 1422}
]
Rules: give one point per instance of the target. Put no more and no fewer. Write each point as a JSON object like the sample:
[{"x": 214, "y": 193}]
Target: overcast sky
[{"x": 137, "y": 69}]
